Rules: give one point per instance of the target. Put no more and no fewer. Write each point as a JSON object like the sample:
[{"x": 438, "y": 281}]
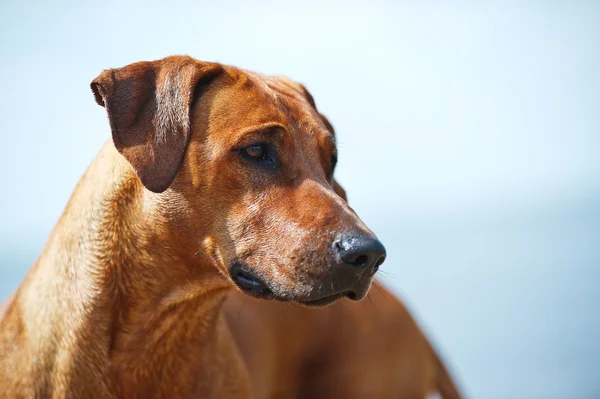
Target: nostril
[
  {"x": 379, "y": 263},
  {"x": 352, "y": 295},
  {"x": 338, "y": 246},
  {"x": 359, "y": 261}
]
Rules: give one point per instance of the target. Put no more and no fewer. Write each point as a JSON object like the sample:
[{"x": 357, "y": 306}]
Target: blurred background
[{"x": 469, "y": 142}]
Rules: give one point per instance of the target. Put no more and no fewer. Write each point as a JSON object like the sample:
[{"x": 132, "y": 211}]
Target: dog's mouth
[
  {"x": 249, "y": 282},
  {"x": 253, "y": 285},
  {"x": 328, "y": 300}
]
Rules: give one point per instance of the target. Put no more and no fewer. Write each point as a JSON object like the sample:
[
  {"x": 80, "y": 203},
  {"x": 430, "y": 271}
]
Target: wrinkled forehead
[{"x": 245, "y": 99}]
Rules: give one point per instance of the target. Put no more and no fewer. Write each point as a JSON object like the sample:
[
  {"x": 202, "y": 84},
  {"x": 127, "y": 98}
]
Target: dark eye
[
  {"x": 256, "y": 151},
  {"x": 333, "y": 162},
  {"x": 261, "y": 154}
]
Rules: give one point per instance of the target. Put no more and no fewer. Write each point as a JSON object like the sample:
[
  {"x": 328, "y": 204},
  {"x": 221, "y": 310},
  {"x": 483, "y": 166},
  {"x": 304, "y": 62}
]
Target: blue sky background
[{"x": 469, "y": 141}]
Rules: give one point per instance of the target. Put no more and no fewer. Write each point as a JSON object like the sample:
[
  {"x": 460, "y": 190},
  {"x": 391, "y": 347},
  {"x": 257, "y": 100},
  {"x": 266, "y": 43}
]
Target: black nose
[{"x": 359, "y": 251}]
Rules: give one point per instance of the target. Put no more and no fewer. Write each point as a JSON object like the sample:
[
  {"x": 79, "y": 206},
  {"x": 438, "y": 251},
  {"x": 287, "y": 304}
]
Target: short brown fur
[{"x": 129, "y": 297}]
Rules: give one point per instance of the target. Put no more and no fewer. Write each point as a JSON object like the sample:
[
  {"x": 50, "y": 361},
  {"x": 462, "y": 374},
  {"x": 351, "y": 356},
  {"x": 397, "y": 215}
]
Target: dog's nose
[{"x": 359, "y": 251}]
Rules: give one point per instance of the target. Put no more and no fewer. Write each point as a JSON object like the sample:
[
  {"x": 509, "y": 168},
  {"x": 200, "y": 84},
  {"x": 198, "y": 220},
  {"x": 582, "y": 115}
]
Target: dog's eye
[
  {"x": 333, "y": 162},
  {"x": 261, "y": 154},
  {"x": 256, "y": 151}
]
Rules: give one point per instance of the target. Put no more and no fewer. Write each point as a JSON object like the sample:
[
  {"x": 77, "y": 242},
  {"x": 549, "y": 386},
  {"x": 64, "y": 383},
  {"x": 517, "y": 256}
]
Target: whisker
[
  {"x": 241, "y": 308},
  {"x": 390, "y": 275},
  {"x": 373, "y": 304},
  {"x": 197, "y": 252},
  {"x": 380, "y": 290}
]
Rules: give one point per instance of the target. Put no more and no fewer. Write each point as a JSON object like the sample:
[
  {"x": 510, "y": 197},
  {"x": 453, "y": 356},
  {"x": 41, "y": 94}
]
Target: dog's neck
[{"x": 127, "y": 296}]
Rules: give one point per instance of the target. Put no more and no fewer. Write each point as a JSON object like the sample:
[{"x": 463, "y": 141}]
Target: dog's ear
[
  {"x": 148, "y": 106},
  {"x": 339, "y": 190}
]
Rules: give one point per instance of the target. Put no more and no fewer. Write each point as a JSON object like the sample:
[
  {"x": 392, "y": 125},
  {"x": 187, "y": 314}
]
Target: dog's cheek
[{"x": 213, "y": 250}]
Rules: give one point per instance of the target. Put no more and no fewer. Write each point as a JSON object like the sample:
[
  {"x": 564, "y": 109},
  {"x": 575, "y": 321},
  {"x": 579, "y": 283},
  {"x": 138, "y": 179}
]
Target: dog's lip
[
  {"x": 248, "y": 281},
  {"x": 253, "y": 285},
  {"x": 326, "y": 300}
]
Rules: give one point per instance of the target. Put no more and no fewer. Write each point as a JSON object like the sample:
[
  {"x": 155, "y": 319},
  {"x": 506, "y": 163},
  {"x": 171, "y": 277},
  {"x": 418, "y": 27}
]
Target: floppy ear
[{"x": 148, "y": 106}]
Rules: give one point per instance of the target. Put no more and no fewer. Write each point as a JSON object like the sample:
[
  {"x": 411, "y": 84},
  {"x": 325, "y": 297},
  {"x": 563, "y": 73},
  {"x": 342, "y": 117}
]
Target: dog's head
[{"x": 242, "y": 164}]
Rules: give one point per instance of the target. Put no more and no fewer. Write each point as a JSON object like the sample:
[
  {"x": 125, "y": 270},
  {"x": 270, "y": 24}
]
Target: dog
[{"x": 215, "y": 177}]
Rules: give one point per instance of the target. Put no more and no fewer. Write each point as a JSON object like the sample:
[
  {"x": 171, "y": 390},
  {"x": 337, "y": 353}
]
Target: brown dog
[{"x": 216, "y": 175}]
